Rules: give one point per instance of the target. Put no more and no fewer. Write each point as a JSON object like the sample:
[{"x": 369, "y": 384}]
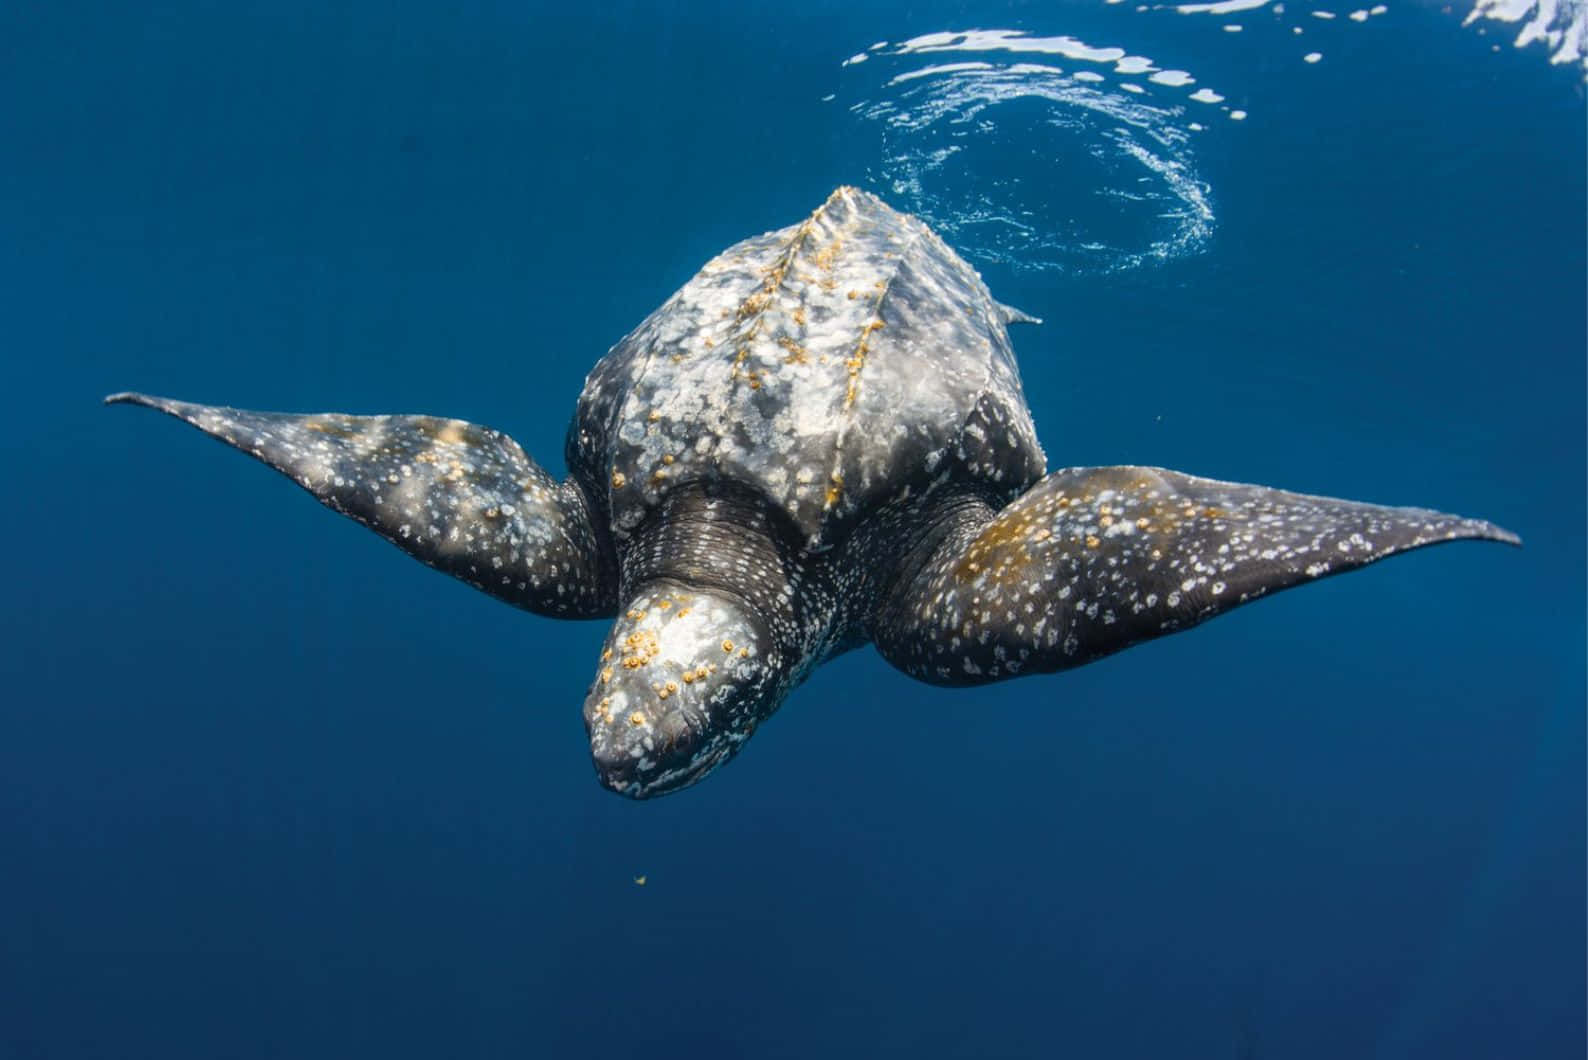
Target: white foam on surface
[
  {"x": 1223, "y": 7},
  {"x": 1560, "y": 25},
  {"x": 1206, "y": 95},
  {"x": 1312, "y": 57},
  {"x": 984, "y": 40}
]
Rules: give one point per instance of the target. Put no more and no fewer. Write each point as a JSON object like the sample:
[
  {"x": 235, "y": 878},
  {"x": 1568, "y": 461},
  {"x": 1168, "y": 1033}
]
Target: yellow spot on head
[
  {"x": 1092, "y": 541},
  {"x": 618, "y": 479},
  {"x": 727, "y": 645},
  {"x": 636, "y": 719}
]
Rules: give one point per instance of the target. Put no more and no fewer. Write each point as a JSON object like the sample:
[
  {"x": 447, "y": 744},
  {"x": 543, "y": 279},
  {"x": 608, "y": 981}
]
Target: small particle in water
[
  {"x": 639, "y": 881},
  {"x": 1237, "y": 115},
  {"x": 1312, "y": 57}
]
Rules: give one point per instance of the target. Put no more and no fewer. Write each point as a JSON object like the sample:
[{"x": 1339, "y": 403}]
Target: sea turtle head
[{"x": 685, "y": 677}]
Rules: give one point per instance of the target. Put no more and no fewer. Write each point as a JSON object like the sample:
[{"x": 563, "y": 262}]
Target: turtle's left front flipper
[
  {"x": 1093, "y": 560},
  {"x": 463, "y": 499}
]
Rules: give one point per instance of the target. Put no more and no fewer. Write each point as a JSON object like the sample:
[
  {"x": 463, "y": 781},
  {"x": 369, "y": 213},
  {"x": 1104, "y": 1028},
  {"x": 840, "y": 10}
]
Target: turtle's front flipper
[
  {"x": 460, "y": 498},
  {"x": 1092, "y": 560}
]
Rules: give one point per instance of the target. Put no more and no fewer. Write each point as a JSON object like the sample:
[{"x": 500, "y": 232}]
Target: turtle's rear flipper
[
  {"x": 463, "y": 499},
  {"x": 1092, "y": 560}
]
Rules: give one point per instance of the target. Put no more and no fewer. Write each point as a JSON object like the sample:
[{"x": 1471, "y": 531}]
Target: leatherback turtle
[{"x": 820, "y": 441}]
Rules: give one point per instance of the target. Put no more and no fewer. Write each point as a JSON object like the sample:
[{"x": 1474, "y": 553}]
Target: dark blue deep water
[{"x": 270, "y": 789}]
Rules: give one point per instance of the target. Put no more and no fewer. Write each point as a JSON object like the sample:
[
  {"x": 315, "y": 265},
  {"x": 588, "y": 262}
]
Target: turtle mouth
[{"x": 656, "y": 774}]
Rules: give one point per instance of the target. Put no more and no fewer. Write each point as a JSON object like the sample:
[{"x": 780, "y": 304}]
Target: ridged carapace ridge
[{"x": 831, "y": 365}]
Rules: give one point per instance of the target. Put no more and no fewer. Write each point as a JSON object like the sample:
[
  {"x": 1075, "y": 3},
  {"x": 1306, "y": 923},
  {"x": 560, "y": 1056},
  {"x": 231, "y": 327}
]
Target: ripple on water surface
[
  {"x": 1019, "y": 160},
  {"x": 1051, "y": 153}
]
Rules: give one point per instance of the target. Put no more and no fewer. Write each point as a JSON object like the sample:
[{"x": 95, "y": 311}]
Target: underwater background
[{"x": 270, "y": 789}]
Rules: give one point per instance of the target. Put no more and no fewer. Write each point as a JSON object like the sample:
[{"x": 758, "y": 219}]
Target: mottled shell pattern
[{"x": 830, "y": 366}]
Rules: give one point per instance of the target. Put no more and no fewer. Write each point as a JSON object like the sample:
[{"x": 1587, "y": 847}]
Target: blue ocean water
[{"x": 268, "y": 788}]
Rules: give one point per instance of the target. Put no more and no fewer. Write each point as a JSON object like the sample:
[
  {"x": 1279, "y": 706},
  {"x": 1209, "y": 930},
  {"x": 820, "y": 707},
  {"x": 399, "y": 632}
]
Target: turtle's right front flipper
[{"x": 463, "y": 499}]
